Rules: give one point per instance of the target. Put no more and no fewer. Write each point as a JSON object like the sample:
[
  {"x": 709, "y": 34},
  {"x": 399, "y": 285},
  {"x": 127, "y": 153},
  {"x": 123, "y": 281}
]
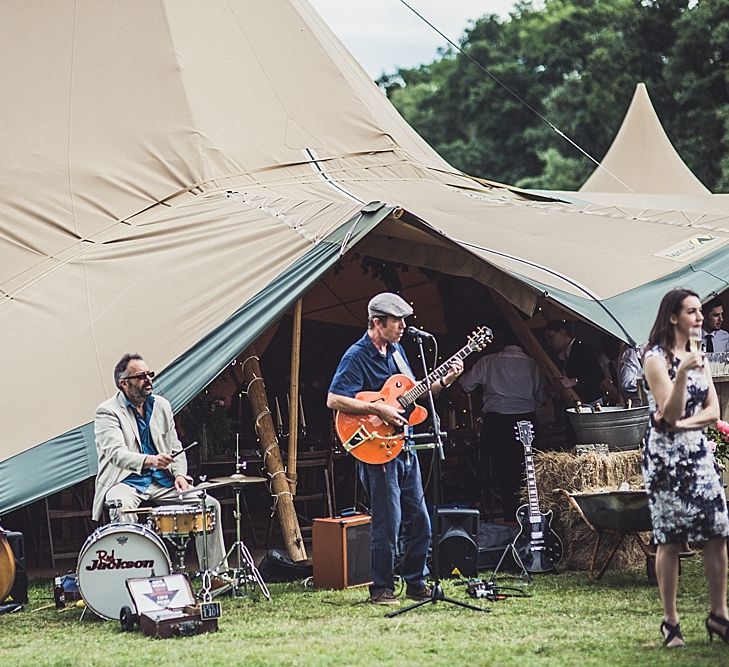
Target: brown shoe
[
  {"x": 384, "y": 597},
  {"x": 419, "y": 593}
]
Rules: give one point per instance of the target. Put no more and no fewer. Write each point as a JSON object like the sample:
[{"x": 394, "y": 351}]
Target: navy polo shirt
[
  {"x": 363, "y": 368},
  {"x": 142, "y": 480}
]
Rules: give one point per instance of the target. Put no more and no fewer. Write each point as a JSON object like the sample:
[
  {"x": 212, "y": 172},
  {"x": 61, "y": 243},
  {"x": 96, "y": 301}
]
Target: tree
[{"x": 573, "y": 64}]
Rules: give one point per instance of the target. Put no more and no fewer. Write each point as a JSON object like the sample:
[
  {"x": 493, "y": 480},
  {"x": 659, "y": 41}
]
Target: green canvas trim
[{"x": 71, "y": 457}]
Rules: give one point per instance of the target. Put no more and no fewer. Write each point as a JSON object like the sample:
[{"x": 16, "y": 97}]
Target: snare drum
[
  {"x": 111, "y": 555},
  {"x": 181, "y": 520}
]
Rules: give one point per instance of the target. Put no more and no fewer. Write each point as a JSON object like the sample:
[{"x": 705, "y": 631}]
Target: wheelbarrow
[{"x": 622, "y": 513}]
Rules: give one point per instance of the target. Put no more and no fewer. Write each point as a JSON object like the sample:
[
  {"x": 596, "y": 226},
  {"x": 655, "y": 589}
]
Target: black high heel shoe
[
  {"x": 723, "y": 622},
  {"x": 673, "y": 632}
]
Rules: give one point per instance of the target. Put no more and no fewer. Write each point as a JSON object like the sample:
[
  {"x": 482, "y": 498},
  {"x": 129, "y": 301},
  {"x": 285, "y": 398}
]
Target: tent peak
[{"x": 642, "y": 158}]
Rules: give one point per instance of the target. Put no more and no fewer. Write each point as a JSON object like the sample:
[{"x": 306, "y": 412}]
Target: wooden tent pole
[
  {"x": 532, "y": 346},
  {"x": 294, "y": 397},
  {"x": 272, "y": 462}
]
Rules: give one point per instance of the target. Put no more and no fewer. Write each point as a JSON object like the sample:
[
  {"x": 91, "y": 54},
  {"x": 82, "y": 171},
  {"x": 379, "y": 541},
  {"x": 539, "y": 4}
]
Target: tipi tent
[
  {"x": 176, "y": 173},
  {"x": 642, "y": 158}
]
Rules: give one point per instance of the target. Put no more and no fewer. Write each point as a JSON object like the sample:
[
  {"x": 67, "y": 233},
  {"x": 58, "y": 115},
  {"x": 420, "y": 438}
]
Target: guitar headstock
[
  {"x": 480, "y": 338},
  {"x": 524, "y": 432}
]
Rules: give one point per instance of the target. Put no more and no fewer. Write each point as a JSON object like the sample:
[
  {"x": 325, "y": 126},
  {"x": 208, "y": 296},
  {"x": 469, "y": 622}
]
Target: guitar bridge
[{"x": 359, "y": 437}]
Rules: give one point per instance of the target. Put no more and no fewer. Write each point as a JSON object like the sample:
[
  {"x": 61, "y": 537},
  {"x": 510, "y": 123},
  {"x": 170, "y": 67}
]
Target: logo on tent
[{"x": 689, "y": 249}]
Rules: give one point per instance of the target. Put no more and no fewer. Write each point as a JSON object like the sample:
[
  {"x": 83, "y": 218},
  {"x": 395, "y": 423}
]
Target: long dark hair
[{"x": 663, "y": 332}]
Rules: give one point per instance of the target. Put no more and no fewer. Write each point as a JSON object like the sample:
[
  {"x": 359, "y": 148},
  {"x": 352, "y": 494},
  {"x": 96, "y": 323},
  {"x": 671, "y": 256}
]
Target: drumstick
[{"x": 184, "y": 449}]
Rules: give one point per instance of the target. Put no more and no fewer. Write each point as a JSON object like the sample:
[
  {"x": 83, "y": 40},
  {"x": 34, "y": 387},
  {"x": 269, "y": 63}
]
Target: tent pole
[
  {"x": 272, "y": 461},
  {"x": 532, "y": 346},
  {"x": 294, "y": 396}
]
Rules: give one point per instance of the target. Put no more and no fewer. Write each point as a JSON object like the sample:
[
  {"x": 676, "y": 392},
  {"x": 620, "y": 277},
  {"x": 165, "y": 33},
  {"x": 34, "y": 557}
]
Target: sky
[{"x": 384, "y": 35}]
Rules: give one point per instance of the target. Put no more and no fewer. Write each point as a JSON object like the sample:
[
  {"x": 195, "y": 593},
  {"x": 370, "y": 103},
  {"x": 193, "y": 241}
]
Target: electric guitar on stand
[
  {"x": 367, "y": 437},
  {"x": 537, "y": 544}
]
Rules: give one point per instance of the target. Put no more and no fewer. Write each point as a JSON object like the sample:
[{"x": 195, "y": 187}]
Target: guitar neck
[
  {"x": 525, "y": 432},
  {"x": 531, "y": 480},
  {"x": 422, "y": 387}
]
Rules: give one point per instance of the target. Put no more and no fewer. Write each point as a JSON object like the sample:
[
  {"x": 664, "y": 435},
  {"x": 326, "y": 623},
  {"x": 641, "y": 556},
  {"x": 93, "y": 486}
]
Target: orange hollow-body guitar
[{"x": 371, "y": 440}]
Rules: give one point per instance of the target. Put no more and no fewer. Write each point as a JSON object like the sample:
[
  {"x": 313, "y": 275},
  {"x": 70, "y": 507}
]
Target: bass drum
[{"x": 111, "y": 555}]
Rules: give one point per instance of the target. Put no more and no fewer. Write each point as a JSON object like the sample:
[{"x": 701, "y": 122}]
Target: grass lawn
[{"x": 568, "y": 621}]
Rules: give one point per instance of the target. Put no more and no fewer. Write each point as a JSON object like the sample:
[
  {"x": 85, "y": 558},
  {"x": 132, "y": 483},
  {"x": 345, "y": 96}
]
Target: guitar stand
[{"x": 523, "y": 574}]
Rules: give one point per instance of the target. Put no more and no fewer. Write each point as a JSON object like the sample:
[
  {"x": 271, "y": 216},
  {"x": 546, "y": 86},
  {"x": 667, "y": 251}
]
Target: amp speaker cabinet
[
  {"x": 19, "y": 591},
  {"x": 457, "y": 541},
  {"x": 342, "y": 552}
]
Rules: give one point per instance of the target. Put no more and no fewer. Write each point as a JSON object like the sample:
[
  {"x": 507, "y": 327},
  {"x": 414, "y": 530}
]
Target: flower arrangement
[{"x": 719, "y": 434}]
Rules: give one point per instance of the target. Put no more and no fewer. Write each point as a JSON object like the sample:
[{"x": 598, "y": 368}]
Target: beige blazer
[{"x": 118, "y": 446}]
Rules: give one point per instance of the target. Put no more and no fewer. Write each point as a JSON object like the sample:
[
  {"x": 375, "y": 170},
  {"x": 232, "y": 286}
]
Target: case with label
[{"x": 165, "y": 607}]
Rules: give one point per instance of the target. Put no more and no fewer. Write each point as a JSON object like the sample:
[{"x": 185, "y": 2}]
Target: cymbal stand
[
  {"x": 205, "y": 574},
  {"x": 245, "y": 574}
]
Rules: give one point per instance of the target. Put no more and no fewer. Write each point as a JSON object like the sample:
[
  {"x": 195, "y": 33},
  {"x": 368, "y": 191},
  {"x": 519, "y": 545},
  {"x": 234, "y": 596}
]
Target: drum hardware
[
  {"x": 205, "y": 574},
  {"x": 245, "y": 574},
  {"x": 178, "y": 523}
]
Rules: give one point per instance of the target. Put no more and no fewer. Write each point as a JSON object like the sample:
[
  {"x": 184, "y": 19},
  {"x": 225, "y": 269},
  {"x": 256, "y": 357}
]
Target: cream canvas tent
[
  {"x": 176, "y": 173},
  {"x": 642, "y": 158}
]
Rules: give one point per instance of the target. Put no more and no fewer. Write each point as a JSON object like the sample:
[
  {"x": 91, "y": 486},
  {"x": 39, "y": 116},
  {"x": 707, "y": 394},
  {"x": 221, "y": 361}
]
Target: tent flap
[{"x": 71, "y": 457}]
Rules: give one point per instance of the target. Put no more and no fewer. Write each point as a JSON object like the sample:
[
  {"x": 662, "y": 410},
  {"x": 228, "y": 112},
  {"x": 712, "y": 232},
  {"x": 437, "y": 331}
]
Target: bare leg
[
  {"x": 715, "y": 568},
  {"x": 667, "y": 563}
]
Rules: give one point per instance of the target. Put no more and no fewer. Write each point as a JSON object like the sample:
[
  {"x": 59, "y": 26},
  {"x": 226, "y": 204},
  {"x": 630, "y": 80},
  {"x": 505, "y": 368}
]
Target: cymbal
[
  {"x": 172, "y": 492},
  {"x": 218, "y": 482},
  {"x": 237, "y": 478}
]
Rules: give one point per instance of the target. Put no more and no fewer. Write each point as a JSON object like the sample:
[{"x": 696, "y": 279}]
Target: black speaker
[
  {"x": 457, "y": 547},
  {"x": 19, "y": 591}
]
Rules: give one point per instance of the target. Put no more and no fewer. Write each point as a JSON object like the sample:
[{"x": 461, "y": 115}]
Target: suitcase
[{"x": 165, "y": 607}]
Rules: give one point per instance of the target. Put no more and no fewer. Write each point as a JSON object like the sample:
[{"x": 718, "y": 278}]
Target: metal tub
[{"x": 619, "y": 428}]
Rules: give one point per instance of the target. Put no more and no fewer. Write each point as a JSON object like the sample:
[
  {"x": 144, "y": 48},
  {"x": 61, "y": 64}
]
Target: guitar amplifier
[
  {"x": 19, "y": 590},
  {"x": 341, "y": 552}
]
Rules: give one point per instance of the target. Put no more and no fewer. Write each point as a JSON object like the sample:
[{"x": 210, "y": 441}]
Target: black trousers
[{"x": 504, "y": 458}]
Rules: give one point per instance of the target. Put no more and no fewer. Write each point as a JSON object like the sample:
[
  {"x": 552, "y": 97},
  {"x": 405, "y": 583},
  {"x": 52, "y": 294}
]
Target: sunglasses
[{"x": 140, "y": 376}]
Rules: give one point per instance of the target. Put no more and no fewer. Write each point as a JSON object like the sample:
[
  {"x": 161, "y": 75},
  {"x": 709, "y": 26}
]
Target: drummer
[{"x": 136, "y": 442}]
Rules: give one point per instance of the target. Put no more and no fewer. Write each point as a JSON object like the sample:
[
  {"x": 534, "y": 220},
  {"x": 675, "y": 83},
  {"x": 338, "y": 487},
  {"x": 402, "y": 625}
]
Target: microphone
[{"x": 419, "y": 333}]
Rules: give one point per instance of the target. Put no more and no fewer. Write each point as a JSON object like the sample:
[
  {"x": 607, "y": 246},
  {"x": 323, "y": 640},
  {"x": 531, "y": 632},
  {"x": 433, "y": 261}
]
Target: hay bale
[{"x": 591, "y": 473}]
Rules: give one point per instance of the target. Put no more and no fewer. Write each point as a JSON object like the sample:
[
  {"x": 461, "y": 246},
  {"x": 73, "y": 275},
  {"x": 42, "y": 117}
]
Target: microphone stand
[{"x": 436, "y": 594}]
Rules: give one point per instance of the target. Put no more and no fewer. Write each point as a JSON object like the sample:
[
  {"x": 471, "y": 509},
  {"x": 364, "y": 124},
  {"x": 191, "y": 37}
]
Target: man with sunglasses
[{"x": 140, "y": 456}]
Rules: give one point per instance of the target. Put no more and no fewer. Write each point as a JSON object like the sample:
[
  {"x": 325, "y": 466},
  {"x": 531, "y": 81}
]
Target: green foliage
[
  {"x": 205, "y": 420},
  {"x": 567, "y": 622},
  {"x": 576, "y": 63}
]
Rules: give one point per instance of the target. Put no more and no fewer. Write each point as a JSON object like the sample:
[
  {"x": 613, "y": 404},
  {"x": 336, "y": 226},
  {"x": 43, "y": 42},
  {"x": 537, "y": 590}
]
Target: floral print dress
[{"x": 685, "y": 492}]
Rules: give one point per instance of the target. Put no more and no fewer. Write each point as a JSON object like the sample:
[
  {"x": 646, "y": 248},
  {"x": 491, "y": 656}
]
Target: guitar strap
[{"x": 402, "y": 364}]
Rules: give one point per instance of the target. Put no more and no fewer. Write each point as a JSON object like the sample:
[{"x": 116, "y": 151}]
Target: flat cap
[{"x": 390, "y": 304}]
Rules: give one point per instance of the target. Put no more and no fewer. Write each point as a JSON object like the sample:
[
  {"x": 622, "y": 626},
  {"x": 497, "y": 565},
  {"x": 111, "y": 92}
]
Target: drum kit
[{"x": 120, "y": 551}]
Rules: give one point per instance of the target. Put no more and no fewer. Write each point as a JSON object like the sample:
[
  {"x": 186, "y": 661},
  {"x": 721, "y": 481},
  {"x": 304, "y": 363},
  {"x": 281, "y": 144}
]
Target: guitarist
[{"x": 395, "y": 489}]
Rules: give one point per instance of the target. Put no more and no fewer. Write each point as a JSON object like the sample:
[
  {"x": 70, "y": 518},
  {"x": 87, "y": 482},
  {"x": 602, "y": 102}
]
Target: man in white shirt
[
  {"x": 630, "y": 371},
  {"x": 713, "y": 337},
  {"x": 512, "y": 388}
]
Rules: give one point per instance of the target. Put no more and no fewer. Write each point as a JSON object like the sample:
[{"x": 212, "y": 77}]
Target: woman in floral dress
[{"x": 685, "y": 493}]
